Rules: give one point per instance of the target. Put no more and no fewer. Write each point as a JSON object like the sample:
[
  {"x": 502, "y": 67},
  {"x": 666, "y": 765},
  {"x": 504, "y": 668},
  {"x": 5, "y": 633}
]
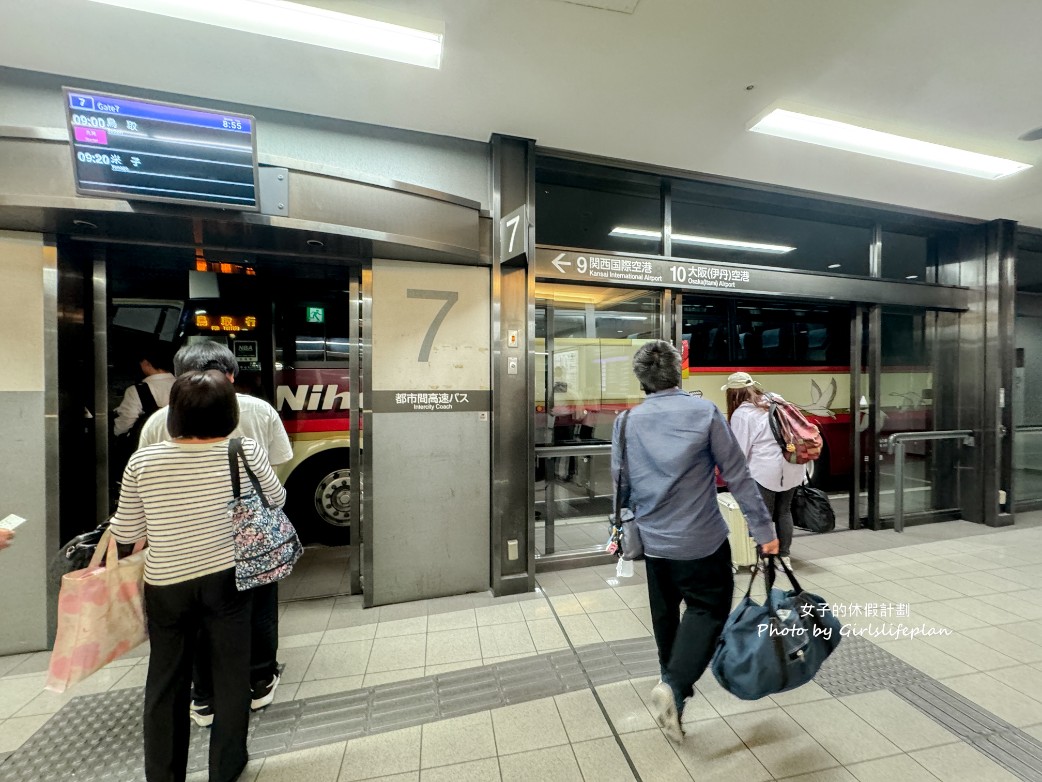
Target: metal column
[
  {"x": 355, "y": 391},
  {"x": 99, "y": 318},
  {"x": 365, "y": 484},
  {"x": 856, "y": 329},
  {"x": 513, "y": 365}
]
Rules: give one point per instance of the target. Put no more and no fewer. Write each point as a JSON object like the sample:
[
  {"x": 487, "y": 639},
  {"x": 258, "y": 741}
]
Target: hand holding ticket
[{"x": 11, "y": 522}]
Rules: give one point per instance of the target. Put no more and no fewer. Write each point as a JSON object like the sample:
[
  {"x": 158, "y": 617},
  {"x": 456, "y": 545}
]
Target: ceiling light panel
[
  {"x": 704, "y": 241},
  {"x": 306, "y": 24},
  {"x": 851, "y": 138}
]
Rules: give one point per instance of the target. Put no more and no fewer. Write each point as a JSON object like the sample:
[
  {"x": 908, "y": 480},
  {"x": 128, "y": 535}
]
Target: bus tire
[
  {"x": 819, "y": 470},
  {"x": 318, "y": 496}
]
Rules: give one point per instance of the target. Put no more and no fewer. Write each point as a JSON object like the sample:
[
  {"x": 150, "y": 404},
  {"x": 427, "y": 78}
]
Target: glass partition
[
  {"x": 906, "y": 404},
  {"x": 709, "y": 232},
  {"x": 585, "y": 340},
  {"x": 1027, "y": 406}
]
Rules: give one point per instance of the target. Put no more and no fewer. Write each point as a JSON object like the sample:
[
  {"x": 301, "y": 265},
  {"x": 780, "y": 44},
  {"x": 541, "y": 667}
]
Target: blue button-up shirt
[{"x": 673, "y": 442}]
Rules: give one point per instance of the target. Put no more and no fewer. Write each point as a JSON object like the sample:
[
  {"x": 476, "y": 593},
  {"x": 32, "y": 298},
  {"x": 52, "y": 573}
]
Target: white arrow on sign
[{"x": 557, "y": 262}]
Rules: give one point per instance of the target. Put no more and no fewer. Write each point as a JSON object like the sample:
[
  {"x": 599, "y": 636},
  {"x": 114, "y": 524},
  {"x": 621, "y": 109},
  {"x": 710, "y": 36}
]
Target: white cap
[{"x": 740, "y": 380}]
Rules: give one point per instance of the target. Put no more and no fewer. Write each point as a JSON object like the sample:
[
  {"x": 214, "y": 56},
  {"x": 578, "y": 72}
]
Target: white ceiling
[{"x": 666, "y": 84}]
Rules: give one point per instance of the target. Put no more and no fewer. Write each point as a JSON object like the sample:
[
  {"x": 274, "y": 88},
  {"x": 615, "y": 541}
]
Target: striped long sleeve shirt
[{"x": 177, "y": 495}]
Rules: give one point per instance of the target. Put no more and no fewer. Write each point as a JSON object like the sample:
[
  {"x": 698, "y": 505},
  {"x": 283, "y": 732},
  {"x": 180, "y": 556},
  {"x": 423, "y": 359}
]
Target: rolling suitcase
[{"x": 743, "y": 547}]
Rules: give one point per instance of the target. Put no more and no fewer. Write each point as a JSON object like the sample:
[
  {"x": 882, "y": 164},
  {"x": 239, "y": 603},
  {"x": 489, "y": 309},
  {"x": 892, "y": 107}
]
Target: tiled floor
[{"x": 975, "y": 584}]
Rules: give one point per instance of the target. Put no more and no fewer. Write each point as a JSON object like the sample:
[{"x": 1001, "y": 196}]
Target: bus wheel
[
  {"x": 318, "y": 496},
  {"x": 818, "y": 470}
]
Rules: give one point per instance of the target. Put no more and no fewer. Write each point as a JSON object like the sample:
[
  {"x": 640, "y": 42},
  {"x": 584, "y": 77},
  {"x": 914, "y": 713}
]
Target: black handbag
[
  {"x": 811, "y": 510},
  {"x": 76, "y": 554}
]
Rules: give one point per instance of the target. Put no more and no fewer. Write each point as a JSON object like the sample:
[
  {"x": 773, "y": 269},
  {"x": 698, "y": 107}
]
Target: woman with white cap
[{"x": 748, "y": 411}]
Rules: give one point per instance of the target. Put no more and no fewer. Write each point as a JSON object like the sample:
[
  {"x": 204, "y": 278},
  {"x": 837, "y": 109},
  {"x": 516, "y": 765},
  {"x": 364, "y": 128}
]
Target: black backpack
[{"x": 148, "y": 406}]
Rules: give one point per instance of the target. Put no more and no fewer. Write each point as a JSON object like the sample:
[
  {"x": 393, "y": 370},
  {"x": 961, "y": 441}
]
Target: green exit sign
[{"x": 316, "y": 314}]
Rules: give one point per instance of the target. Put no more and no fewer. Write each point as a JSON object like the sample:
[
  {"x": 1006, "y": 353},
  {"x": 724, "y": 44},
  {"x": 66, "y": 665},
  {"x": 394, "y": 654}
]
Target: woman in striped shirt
[{"x": 176, "y": 493}]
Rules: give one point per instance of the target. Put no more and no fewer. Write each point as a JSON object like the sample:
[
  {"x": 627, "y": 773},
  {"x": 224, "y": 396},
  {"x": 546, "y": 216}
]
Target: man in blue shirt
[{"x": 673, "y": 443}]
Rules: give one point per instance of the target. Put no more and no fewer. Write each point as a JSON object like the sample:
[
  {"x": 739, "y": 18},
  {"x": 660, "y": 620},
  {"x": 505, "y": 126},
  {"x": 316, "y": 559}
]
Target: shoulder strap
[
  {"x": 236, "y": 456},
  {"x": 623, "y": 472},
  {"x": 148, "y": 401},
  {"x": 234, "y": 444},
  {"x": 774, "y": 419}
]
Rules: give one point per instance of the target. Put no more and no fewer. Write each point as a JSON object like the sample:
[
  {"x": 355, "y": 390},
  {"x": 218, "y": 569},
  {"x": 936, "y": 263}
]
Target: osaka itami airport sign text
[{"x": 658, "y": 272}]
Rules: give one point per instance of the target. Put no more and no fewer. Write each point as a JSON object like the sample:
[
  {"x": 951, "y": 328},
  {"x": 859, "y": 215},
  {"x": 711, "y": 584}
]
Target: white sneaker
[
  {"x": 264, "y": 693},
  {"x": 664, "y": 707},
  {"x": 787, "y": 562},
  {"x": 201, "y": 714}
]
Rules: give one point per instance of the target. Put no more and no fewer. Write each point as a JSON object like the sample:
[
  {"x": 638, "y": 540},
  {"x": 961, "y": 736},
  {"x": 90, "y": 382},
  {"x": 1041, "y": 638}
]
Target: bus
[
  {"x": 290, "y": 338},
  {"x": 800, "y": 351}
]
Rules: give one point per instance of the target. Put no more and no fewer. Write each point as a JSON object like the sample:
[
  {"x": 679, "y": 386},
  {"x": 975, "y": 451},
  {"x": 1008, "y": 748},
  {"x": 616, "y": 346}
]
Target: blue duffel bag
[{"x": 777, "y": 646}]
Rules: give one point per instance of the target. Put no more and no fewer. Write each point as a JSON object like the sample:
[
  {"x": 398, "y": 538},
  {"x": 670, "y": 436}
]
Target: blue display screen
[{"x": 144, "y": 150}]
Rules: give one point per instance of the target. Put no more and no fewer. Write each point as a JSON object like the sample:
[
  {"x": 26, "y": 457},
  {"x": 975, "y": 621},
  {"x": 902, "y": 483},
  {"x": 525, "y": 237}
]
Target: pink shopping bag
[{"x": 101, "y": 614}]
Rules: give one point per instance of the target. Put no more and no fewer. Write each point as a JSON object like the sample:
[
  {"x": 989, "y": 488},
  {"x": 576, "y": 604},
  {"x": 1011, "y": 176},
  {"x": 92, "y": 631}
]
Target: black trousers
[
  {"x": 264, "y": 644},
  {"x": 176, "y": 615},
  {"x": 779, "y": 504},
  {"x": 686, "y": 645}
]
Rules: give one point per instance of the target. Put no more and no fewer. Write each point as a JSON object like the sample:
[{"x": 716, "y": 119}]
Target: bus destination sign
[{"x": 658, "y": 272}]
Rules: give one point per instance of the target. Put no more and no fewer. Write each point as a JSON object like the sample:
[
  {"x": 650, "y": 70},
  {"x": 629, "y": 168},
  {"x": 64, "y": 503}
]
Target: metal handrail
[
  {"x": 545, "y": 451},
  {"x": 895, "y": 444}
]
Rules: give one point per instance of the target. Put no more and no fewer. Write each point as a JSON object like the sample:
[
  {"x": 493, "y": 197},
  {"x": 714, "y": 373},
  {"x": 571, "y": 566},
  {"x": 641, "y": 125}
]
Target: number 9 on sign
[{"x": 580, "y": 264}]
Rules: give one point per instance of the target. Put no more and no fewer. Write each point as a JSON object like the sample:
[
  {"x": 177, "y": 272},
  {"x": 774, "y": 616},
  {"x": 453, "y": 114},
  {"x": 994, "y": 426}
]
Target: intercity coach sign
[{"x": 659, "y": 272}]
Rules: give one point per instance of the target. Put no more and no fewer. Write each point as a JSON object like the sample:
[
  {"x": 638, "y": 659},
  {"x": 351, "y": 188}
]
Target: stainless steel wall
[{"x": 980, "y": 259}]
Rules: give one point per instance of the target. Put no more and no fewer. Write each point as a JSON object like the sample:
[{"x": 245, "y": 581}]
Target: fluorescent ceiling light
[
  {"x": 307, "y": 24},
  {"x": 912, "y": 277},
  {"x": 840, "y": 135},
  {"x": 835, "y": 265},
  {"x": 704, "y": 241}
]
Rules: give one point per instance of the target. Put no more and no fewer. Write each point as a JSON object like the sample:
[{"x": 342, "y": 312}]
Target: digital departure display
[
  {"x": 226, "y": 323},
  {"x": 143, "y": 150}
]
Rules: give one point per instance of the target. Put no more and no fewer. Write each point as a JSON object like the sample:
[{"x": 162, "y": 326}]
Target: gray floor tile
[
  {"x": 961, "y": 763},
  {"x": 553, "y": 764},
  {"x": 654, "y": 756},
  {"x": 320, "y": 764},
  {"x": 474, "y": 771},
  {"x": 898, "y": 768},
  {"x": 453, "y": 646},
  {"x": 907, "y": 727},
  {"x": 581, "y": 716},
  {"x": 528, "y": 726},
  {"x": 396, "y": 752},
  {"x": 831, "y": 724},
  {"x": 712, "y": 750},
  {"x": 453, "y": 741},
  {"x": 780, "y": 744},
  {"x": 602, "y": 760},
  {"x": 396, "y": 653}
]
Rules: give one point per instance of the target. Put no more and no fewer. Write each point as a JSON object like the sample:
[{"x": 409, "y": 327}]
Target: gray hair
[
  {"x": 201, "y": 356},
  {"x": 657, "y": 366}
]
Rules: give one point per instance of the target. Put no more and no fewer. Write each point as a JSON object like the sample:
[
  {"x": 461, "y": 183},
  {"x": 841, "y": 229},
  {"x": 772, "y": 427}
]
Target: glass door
[
  {"x": 901, "y": 367},
  {"x": 798, "y": 350},
  {"x": 1027, "y": 406},
  {"x": 585, "y": 340}
]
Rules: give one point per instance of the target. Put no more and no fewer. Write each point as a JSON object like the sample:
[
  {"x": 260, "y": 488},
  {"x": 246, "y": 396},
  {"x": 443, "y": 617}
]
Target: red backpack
[{"x": 800, "y": 440}]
